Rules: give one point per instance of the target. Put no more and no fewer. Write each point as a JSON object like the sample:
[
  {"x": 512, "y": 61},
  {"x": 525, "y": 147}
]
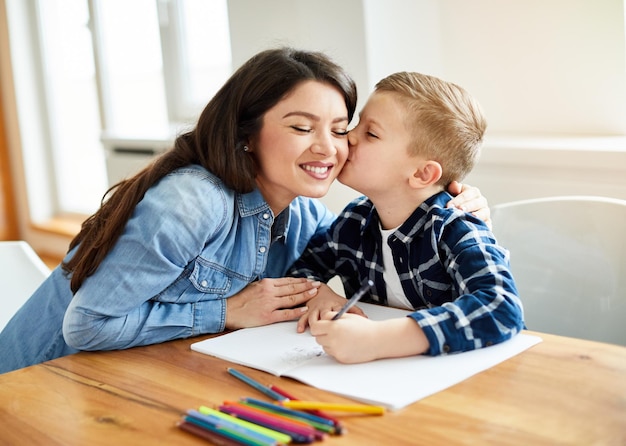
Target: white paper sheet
[{"x": 393, "y": 383}]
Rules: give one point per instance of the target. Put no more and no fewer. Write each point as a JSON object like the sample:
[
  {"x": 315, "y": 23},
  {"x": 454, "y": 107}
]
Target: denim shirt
[{"x": 190, "y": 244}]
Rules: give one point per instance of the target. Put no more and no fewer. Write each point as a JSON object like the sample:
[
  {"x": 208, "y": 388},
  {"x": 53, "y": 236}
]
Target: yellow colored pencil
[
  {"x": 279, "y": 436},
  {"x": 317, "y": 405}
]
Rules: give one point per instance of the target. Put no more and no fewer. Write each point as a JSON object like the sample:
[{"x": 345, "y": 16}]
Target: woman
[{"x": 199, "y": 241}]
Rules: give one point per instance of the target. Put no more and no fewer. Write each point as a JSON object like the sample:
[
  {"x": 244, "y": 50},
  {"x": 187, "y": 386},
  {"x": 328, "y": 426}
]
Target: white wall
[
  {"x": 537, "y": 66},
  {"x": 403, "y": 35},
  {"x": 334, "y": 27},
  {"x": 520, "y": 168},
  {"x": 541, "y": 66},
  {"x": 549, "y": 73}
]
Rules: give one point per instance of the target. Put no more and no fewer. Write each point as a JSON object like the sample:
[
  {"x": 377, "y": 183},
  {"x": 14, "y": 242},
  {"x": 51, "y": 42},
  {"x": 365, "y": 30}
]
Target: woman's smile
[{"x": 318, "y": 170}]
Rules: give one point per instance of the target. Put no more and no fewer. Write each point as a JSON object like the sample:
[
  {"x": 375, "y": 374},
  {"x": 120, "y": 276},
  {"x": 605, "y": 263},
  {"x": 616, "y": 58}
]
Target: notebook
[{"x": 393, "y": 383}]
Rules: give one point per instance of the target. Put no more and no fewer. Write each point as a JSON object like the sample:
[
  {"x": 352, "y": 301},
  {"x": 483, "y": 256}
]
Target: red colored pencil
[
  {"x": 319, "y": 413},
  {"x": 272, "y": 421}
]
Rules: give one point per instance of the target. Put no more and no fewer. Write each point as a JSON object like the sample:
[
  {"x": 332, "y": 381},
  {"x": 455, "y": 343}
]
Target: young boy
[{"x": 416, "y": 134}]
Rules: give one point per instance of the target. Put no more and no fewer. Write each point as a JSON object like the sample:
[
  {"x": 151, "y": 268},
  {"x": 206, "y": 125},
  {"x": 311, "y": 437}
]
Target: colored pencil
[
  {"x": 227, "y": 432},
  {"x": 298, "y": 431},
  {"x": 321, "y": 428},
  {"x": 319, "y": 413},
  {"x": 360, "y": 408},
  {"x": 213, "y": 437},
  {"x": 354, "y": 299},
  {"x": 298, "y": 426},
  {"x": 256, "y": 385},
  {"x": 278, "y": 436},
  {"x": 285, "y": 410},
  {"x": 240, "y": 427}
]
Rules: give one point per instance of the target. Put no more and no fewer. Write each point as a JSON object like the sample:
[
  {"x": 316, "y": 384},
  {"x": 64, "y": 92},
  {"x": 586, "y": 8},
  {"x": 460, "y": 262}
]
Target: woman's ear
[{"x": 426, "y": 174}]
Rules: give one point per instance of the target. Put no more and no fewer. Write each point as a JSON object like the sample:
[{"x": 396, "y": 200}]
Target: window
[{"x": 107, "y": 69}]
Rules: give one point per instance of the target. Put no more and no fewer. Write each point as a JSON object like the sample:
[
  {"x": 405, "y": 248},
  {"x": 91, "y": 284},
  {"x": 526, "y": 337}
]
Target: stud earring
[{"x": 246, "y": 148}]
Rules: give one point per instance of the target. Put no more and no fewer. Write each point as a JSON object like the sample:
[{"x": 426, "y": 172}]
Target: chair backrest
[
  {"x": 21, "y": 272},
  {"x": 568, "y": 257}
]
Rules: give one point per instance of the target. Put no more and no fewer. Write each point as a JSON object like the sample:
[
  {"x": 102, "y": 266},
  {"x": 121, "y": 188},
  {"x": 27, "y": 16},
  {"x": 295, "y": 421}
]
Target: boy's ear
[{"x": 426, "y": 174}]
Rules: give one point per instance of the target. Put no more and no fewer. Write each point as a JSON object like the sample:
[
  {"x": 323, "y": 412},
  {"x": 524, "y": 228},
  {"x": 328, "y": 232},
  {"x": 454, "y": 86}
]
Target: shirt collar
[
  {"x": 252, "y": 203},
  {"x": 415, "y": 223}
]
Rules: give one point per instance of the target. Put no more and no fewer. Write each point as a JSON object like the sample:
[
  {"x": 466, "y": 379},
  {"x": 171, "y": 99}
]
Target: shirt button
[
  {"x": 446, "y": 348},
  {"x": 429, "y": 293},
  {"x": 204, "y": 283},
  {"x": 262, "y": 249},
  {"x": 266, "y": 216}
]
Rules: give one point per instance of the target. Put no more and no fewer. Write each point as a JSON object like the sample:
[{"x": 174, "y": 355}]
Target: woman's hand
[
  {"x": 269, "y": 300},
  {"x": 469, "y": 199},
  {"x": 325, "y": 301}
]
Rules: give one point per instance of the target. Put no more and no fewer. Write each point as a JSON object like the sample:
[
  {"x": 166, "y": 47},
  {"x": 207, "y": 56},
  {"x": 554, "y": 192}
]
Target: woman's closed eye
[{"x": 337, "y": 132}]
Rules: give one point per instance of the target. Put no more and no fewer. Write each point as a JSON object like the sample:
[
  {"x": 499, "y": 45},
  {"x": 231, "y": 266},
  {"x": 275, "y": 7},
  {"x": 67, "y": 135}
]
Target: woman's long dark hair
[{"x": 229, "y": 120}]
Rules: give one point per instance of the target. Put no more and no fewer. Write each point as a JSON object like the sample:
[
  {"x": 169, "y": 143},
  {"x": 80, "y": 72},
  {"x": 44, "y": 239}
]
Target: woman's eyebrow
[{"x": 313, "y": 117}]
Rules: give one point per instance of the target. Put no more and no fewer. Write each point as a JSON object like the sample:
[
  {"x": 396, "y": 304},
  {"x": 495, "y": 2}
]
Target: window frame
[{"x": 26, "y": 105}]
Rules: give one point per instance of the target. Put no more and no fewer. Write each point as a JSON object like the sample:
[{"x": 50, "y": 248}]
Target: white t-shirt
[{"x": 395, "y": 294}]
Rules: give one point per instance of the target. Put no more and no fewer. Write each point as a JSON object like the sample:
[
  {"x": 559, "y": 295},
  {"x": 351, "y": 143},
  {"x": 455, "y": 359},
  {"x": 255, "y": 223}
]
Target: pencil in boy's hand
[{"x": 354, "y": 299}]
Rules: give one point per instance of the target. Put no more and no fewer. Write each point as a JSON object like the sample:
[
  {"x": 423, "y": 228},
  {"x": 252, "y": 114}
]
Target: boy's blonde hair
[{"x": 446, "y": 122}]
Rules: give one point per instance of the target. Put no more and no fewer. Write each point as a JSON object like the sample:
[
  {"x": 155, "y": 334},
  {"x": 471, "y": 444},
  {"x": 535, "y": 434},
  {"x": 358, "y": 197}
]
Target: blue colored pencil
[
  {"x": 235, "y": 427},
  {"x": 304, "y": 416},
  {"x": 258, "y": 386},
  {"x": 214, "y": 437},
  {"x": 354, "y": 299},
  {"x": 226, "y": 432},
  {"x": 278, "y": 436},
  {"x": 299, "y": 432}
]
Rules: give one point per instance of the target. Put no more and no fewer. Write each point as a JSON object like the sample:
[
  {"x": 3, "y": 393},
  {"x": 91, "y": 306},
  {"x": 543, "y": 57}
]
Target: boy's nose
[{"x": 352, "y": 138}]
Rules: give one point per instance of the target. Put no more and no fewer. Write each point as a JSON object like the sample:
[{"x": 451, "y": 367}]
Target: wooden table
[{"x": 561, "y": 391}]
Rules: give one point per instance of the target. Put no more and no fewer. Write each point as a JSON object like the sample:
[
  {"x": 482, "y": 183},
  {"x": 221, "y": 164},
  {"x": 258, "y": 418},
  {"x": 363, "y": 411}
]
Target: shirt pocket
[
  {"x": 210, "y": 278},
  {"x": 201, "y": 281},
  {"x": 435, "y": 287},
  {"x": 436, "y": 294}
]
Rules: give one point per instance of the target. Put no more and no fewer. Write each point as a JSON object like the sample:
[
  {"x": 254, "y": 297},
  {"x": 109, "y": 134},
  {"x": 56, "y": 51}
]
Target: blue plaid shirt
[{"x": 450, "y": 266}]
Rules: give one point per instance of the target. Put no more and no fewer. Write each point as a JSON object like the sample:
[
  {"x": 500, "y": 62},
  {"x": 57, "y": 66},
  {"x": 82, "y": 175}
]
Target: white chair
[
  {"x": 21, "y": 272},
  {"x": 568, "y": 257}
]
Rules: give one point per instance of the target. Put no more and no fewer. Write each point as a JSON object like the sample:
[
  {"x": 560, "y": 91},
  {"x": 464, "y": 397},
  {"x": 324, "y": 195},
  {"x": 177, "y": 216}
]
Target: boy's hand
[
  {"x": 325, "y": 301},
  {"x": 352, "y": 339},
  {"x": 348, "y": 339}
]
